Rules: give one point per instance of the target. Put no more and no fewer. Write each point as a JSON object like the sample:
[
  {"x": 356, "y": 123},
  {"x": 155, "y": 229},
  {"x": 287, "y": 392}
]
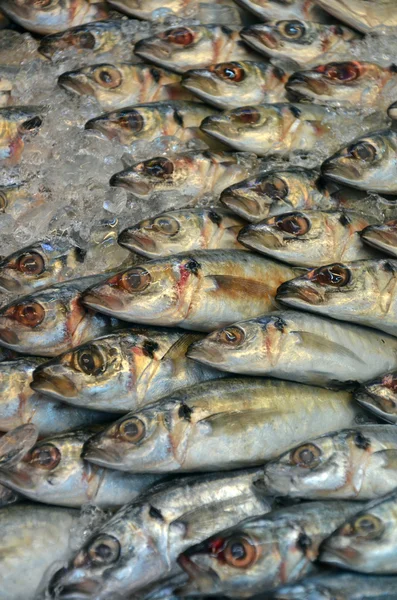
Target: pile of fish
[{"x": 198, "y": 299}]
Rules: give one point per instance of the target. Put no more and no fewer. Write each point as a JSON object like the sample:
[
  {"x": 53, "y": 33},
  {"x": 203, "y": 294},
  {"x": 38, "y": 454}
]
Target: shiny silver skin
[
  {"x": 17, "y": 122},
  {"x": 352, "y": 464},
  {"x": 270, "y": 10},
  {"x": 367, "y": 541},
  {"x": 382, "y": 237},
  {"x": 364, "y": 15},
  {"x": 198, "y": 290},
  {"x": 227, "y": 424},
  {"x": 380, "y": 396},
  {"x": 261, "y": 553},
  {"x": 362, "y": 292},
  {"x": 144, "y": 538},
  {"x": 300, "y": 347},
  {"x": 122, "y": 371}
]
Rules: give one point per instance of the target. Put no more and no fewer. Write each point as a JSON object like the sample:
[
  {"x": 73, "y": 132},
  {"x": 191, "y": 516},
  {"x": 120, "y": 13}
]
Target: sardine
[
  {"x": 194, "y": 47},
  {"x": 184, "y": 230},
  {"x": 380, "y": 396},
  {"x": 362, "y": 292},
  {"x": 227, "y": 424},
  {"x": 367, "y": 542},
  {"x": 46, "y": 16},
  {"x": 16, "y": 122},
  {"x": 361, "y": 14},
  {"x": 310, "y": 237},
  {"x": 270, "y": 10},
  {"x": 306, "y": 43},
  {"x": 352, "y": 464},
  {"x": 382, "y": 237},
  {"x": 200, "y": 290},
  {"x": 123, "y": 371},
  {"x": 298, "y": 346},
  {"x": 232, "y": 84}
]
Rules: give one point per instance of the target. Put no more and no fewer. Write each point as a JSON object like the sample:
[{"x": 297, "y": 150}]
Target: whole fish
[
  {"x": 117, "y": 85},
  {"x": 261, "y": 553},
  {"x": 150, "y": 121},
  {"x": 20, "y": 404},
  {"x": 298, "y": 346},
  {"x": 345, "y": 83},
  {"x": 191, "y": 173},
  {"x": 183, "y": 230},
  {"x": 182, "y": 48},
  {"x": 233, "y": 84},
  {"x": 53, "y": 472},
  {"x": 52, "y": 320},
  {"x": 368, "y": 163},
  {"x": 270, "y": 10},
  {"x": 213, "y": 426},
  {"x": 310, "y": 237},
  {"x": 362, "y": 292},
  {"x": 122, "y": 371},
  {"x": 352, "y": 464},
  {"x": 17, "y": 122},
  {"x": 33, "y": 537},
  {"x": 360, "y": 14},
  {"x": 47, "y": 16},
  {"x": 142, "y": 541},
  {"x": 367, "y": 542},
  {"x": 379, "y": 396},
  {"x": 199, "y": 290},
  {"x": 306, "y": 43},
  {"x": 382, "y": 237}
]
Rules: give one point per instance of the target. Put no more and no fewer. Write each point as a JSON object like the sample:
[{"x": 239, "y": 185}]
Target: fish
[
  {"x": 190, "y": 173},
  {"x": 310, "y": 237},
  {"x": 344, "y": 84},
  {"x": 16, "y": 443},
  {"x": 53, "y": 472},
  {"x": 33, "y": 537},
  {"x": 193, "y": 47},
  {"x": 392, "y": 111},
  {"x": 378, "y": 396},
  {"x": 360, "y": 14},
  {"x": 353, "y": 464},
  {"x": 47, "y": 16},
  {"x": 52, "y": 320},
  {"x": 123, "y": 371},
  {"x": 298, "y": 346},
  {"x": 269, "y": 10},
  {"x": 261, "y": 553},
  {"x": 152, "y": 120},
  {"x": 367, "y": 541},
  {"x": 219, "y": 425},
  {"x": 16, "y": 123},
  {"x": 362, "y": 292},
  {"x": 182, "y": 231},
  {"x": 382, "y": 237},
  {"x": 367, "y": 163},
  {"x": 118, "y": 85},
  {"x": 306, "y": 43},
  {"x": 144, "y": 538},
  {"x": 20, "y": 404},
  {"x": 232, "y": 84},
  {"x": 198, "y": 290}
]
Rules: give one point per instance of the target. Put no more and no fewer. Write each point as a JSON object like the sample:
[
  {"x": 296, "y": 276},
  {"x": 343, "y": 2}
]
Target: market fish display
[
  {"x": 309, "y": 237},
  {"x": 362, "y": 292},
  {"x": 298, "y": 346},
  {"x": 122, "y": 371},
  {"x": 227, "y": 424},
  {"x": 380, "y": 396},
  {"x": 362, "y": 15},
  {"x": 232, "y": 84},
  {"x": 199, "y": 290},
  {"x": 352, "y": 464},
  {"x": 16, "y": 123}
]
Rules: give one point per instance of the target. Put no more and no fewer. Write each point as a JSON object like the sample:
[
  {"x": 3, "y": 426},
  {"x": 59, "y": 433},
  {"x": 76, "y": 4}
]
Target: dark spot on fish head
[
  {"x": 344, "y": 220},
  {"x": 389, "y": 267},
  {"x": 295, "y": 111},
  {"x": 178, "y": 117},
  {"x": 185, "y": 412},
  {"x": 226, "y": 30},
  {"x": 361, "y": 441},
  {"x": 155, "y": 73},
  {"x": 304, "y": 542},
  {"x": 214, "y": 217},
  {"x": 31, "y": 124},
  {"x": 149, "y": 347},
  {"x": 337, "y": 29},
  {"x": 278, "y": 73},
  {"x": 393, "y": 68},
  {"x": 80, "y": 254},
  {"x": 280, "y": 324},
  {"x": 321, "y": 184},
  {"x": 155, "y": 513},
  {"x": 193, "y": 266}
]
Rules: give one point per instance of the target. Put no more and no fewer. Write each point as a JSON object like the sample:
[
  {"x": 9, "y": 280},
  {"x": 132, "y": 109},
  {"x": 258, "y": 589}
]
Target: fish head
[
  {"x": 382, "y": 236},
  {"x": 380, "y": 396},
  {"x": 95, "y": 37},
  {"x": 126, "y": 125},
  {"x": 18, "y": 121},
  {"x": 392, "y": 111},
  {"x": 100, "y": 81},
  {"x": 156, "y": 174}
]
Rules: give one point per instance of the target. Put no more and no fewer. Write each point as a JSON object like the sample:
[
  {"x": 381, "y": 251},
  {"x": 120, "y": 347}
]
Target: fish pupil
[
  {"x": 87, "y": 40},
  {"x": 103, "y": 551},
  {"x": 45, "y": 457},
  {"x": 29, "y": 313},
  {"x": 134, "y": 280},
  {"x": 306, "y": 456},
  {"x": 88, "y": 362},
  {"x": 106, "y": 77},
  {"x": 131, "y": 429},
  {"x": 238, "y": 551},
  {"x": 230, "y": 73}
]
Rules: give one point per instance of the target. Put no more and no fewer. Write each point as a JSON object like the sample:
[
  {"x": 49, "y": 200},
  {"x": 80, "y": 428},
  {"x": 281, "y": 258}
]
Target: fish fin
[
  {"x": 326, "y": 347},
  {"x": 237, "y": 285},
  {"x": 179, "y": 349},
  {"x": 390, "y": 459},
  {"x": 235, "y": 420}
]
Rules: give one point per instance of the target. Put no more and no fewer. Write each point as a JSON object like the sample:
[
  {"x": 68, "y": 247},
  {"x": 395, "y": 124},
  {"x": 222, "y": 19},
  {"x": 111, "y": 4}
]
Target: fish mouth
[
  {"x": 204, "y": 579},
  {"x": 56, "y": 386},
  {"x": 17, "y": 480},
  {"x": 334, "y": 556},
  {"x": 9, "y": 284},
  {"x": 136, "y": 241},
  {"x": 101, "y": 302},
  {"x": 244, "y": 207},
  {"x": 263, "y": 36},
  {"x": 74, "y": 82},
  {"x": 152, "y": 49},
  {"x": 378, "y": 236},
  {"x": 94, "y": 453},
  {"x": 136, "y": 187},
  {"x": 78, "y": 591},
  {"x": 47, "y": 49},
  {"x": 8, "y": 336},
  {"x": 375, "y": 403},
  {"x": 263, "y": 239},
  {"x": 289, "y": 292},
  {"x": 201, "y": 82}
]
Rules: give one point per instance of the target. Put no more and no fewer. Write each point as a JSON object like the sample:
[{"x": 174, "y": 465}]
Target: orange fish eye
[
  {"x": 342, "y": 71},
  {"x": 182, "y": 36},
  {"x": 29, "y": 315},
  {"x": 45, "y": 457},
  {"x": 306, "y": 456},
  {"x": 132, "y": 430},
  {"x": 135, "y": 280},
  {"x": 247, "y": 115},
  {"x": 293, "y": 223},
  {"x": 239, "y": 553},
  {"x": 334, "y": 275},
  {"x": 230, "y": 71},
  {"x": 31, "y": 263}
]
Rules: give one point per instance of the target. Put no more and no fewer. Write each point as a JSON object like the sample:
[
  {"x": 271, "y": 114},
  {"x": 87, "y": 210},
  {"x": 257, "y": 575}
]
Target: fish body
[
  {"x": 192, "y": 173},
  {"x": 379, "y": 396},
  {"x": 362, "y": 292},
  {"x": 198, "y": 290},
  {"x": 270, "y": 10},
  {"x": 17, "y": 122},
  {"x": 362, "y": 15},
  {"x": 239, "y": 83},
  {"x": 299, "y": 347},
  {"x": 352, "y": 464},
  {"x": 231, "y": 423},
  {"x": 182, "y": 48}
]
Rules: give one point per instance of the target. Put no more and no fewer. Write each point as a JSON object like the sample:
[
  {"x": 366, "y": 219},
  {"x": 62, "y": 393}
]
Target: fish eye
[
  {"x": 132, "y": 120},
  {"x": 292, "y": 29},
  {"x": 31, "y": 263},
  {"x": 108, "y": 77},
  {"x": 167, "y": 225},
  {"x": 132, "y": 430},
  {"x": 368, "y": 526},
  {"x": 363, "y": 151},
  {"x": 90, "y": 361},
  {"x": 3, "y": 202},
  {"x": 31, "y": 124},
  {"x": 45, "y": 457},
  {"x": 233, "y": 336},
  {"x": 274, "y": 187},
  {"x": 306, "y": 456},
  {"x": 294, "y": 223},
  {"x": 159, "y": 167},
  {"x": 104, "y": 550},
  {"x": 180, "y": 35},
  {"x": 239, "y": 553},
  {"x": 85, "y": 40},
  {"x": 335, "y": 275},
  {"x": 230, "y": 71},
  {"x": 247, "y": 115},
  {"x": 135, "y": 280},
  {"x": 29, "y": 315},
  {"x": 342, "y": 71}
]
